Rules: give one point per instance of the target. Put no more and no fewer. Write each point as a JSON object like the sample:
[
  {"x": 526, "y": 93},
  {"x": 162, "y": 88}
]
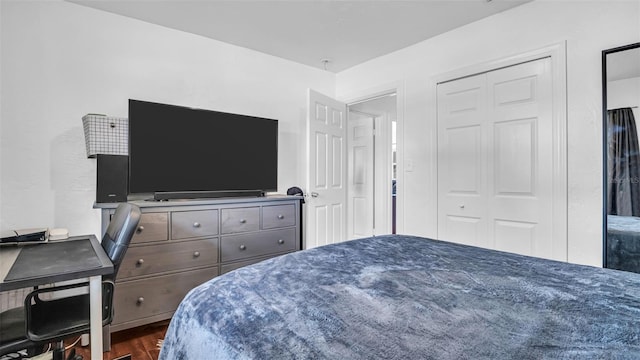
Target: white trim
[
  {"x": 95, "y": 315},
  {"x": 557, "y": 53},
  {"x": 398, "y": 88},
  {"x": 558, "y": 49}
]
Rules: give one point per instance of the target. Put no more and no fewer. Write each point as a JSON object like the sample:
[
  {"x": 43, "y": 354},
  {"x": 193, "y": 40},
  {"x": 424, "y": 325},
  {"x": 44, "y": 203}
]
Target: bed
[
  {"x": 406, "y": 297},
  {"x": 623, "y": 243}
]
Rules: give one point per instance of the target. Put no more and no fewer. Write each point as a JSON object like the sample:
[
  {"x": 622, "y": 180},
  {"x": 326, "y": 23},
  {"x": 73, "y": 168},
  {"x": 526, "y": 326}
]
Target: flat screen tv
[{"x": 182, "y": 152}]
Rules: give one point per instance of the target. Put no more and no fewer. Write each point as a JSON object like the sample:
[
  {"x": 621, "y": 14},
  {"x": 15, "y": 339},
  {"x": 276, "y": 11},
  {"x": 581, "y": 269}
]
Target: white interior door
[
  {"x": 383, "y": 173},
  {"x": 371, "y": 146},
  {"x": 360, "y": 175},
  {"x": 326, "y": 175},
  {"x": 495, "y": 162}
]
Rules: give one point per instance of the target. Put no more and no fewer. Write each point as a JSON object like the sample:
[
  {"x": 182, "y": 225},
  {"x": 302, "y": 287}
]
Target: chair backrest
[{"x": 121, "y": 229}]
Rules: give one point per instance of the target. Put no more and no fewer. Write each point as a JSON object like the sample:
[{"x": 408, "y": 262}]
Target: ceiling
[{"x": 345, "y": 33}]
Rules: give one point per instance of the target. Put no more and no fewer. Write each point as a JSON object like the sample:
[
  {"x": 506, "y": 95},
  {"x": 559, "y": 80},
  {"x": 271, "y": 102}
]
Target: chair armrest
[
  {"x": 34, "y": 295},
  {"x": 33, "y": 302}
]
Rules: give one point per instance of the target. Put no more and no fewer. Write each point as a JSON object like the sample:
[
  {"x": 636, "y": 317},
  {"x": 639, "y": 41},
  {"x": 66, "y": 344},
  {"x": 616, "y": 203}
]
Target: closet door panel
[
  {"x": 463, "y": 165},
  {"x": 463, "y": 229},
  {"x": 515, "y": 149},
  {"x": 461, "y": 162},
  {"x": 520, "y": 153}
]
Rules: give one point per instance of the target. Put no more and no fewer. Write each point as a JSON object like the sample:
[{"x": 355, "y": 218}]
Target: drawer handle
[
  {"x": 196, "y": 224},
  {"x": 140, "y": 300},
  {"x": 140, "y": 228},
  {"x": 140, "y": 262},
  {"x": 242, "y": 221},
  {"x": 280, "y": 217},
  {"x": 242, "y": 247},
  {"x": 280, "y": 241},
  {"x": 196, "y": 254}
]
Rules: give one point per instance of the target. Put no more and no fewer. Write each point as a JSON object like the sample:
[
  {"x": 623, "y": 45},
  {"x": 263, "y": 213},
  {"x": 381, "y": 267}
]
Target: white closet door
[
  {"x": 520, "y": 152},
  {"x": 495, "y": 159},
  {"x": 462, "y": 163}
]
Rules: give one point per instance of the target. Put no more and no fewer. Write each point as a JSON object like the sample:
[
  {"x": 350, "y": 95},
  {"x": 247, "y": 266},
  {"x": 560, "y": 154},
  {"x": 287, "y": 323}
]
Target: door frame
[
  {"x": 370, "y": 94},
  {"x": 367, "y": 122},
  {"x": 558, "y": 55}
]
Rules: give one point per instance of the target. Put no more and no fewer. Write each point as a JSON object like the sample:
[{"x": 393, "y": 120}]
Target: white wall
[
  {"x": 60, "y": 61},
  {"x": 588, "y": 27},
  {"x": 1, "y": 81}
]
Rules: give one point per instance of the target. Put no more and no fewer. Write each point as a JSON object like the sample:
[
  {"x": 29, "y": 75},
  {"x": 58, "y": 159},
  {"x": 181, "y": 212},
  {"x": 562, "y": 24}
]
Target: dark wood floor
[{"x": 140, "y": 342}]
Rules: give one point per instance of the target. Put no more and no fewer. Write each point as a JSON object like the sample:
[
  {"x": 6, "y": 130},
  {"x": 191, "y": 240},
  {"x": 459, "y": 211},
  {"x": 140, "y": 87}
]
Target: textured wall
[
  {"x": 588, "y": 27},
  {"x": 61, "y": 61}
]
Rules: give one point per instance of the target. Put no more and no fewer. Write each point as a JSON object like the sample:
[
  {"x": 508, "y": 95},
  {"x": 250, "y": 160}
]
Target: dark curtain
[{"x": 623, "y": 163}]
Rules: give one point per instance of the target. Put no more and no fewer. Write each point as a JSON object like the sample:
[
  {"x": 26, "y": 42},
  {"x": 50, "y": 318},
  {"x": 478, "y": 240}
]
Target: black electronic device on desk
[{"x": 24, "y": 236}]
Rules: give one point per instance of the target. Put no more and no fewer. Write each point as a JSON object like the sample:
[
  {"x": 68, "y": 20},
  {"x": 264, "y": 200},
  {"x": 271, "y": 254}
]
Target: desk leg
[{"x": 95, "y": 296}]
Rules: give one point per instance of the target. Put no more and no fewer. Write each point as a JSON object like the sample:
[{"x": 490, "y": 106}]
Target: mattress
[{"x": 406, "y": 297}]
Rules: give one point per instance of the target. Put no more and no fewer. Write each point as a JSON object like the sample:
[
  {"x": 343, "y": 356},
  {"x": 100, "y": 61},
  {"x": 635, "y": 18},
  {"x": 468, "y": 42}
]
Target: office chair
[
  {"x": 43, "y": 321},
  {"x": 12, "y": 334}
]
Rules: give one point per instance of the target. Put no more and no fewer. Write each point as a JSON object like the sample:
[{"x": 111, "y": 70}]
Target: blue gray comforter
[
  {"x": 403, "y": 297},
  {"x": 623, "y": 243}
]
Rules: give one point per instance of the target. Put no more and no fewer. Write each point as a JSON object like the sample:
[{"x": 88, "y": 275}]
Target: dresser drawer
[
  {"x": 152, "y": 227},
  {"x": 237, "y": 247},
  {"x": 152, "y": 259},
  {"x": 240, "y": 220},
  {"x": 148, "y": 297},
  {"x": 187, "y": 224},
  {"x": 278, "y": 216}
]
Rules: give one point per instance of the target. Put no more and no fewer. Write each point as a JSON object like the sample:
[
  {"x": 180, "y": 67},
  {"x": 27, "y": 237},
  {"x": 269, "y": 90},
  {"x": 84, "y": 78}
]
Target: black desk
[{"x": 71, "y": 259}]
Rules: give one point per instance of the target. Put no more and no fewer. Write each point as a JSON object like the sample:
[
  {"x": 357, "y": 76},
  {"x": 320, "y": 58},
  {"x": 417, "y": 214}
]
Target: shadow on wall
[
  {"x": 73, "y": 182},
  {"x": 288, "y": 160}
]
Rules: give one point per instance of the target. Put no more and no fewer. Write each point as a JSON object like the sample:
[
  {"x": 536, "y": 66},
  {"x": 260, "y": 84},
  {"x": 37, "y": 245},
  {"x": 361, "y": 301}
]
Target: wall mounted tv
[{"x": 180, "y": 152}]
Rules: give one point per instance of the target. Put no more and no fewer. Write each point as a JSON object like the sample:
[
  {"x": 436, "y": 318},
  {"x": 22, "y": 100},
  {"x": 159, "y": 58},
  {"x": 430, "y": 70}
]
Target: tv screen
[{"x": 180, "y": 149}]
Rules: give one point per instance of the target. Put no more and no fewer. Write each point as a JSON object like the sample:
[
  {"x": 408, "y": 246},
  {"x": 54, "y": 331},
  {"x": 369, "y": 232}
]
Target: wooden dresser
[{"x": 181, "y": 244}]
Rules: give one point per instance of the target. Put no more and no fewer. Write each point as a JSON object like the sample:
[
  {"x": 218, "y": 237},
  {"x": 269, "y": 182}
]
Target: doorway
[{"x": 372, "y": 169}]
